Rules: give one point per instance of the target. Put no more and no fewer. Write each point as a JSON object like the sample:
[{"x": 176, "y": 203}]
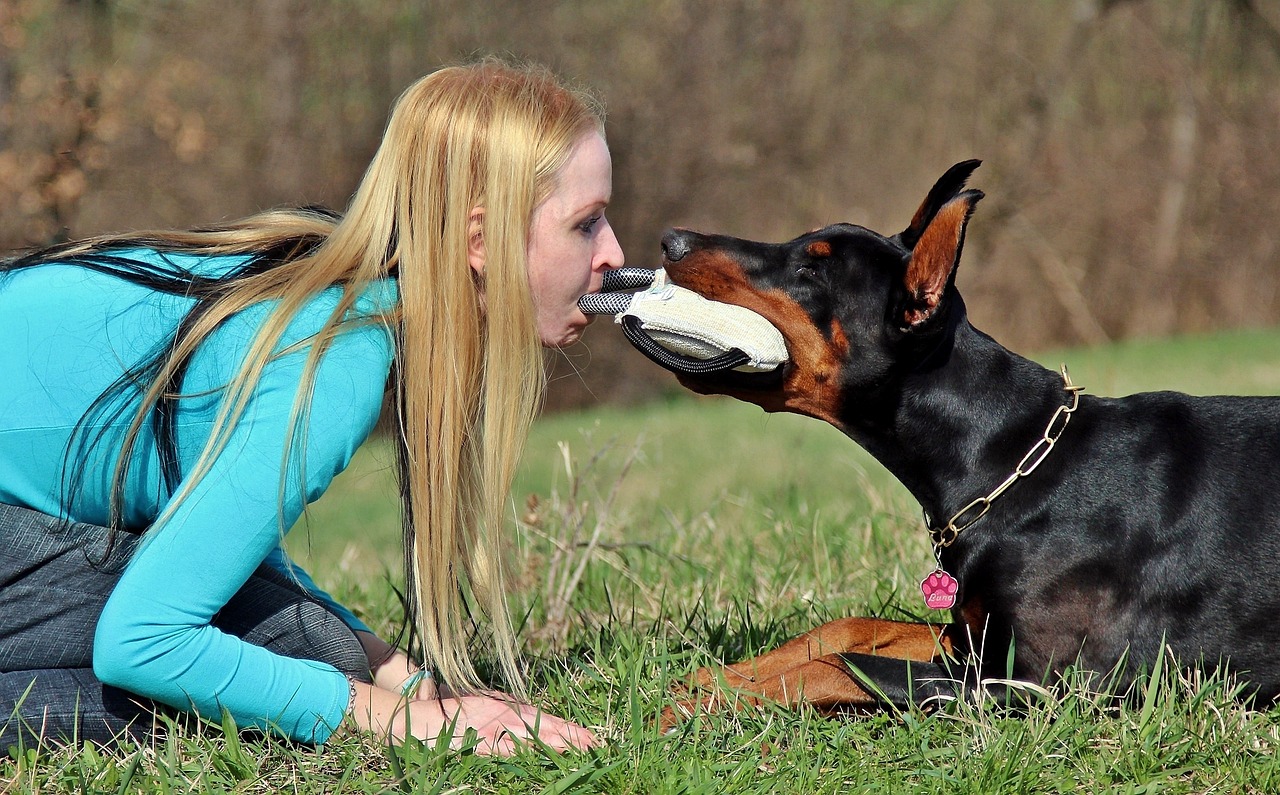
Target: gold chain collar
[{"x": 945, "y": 536}]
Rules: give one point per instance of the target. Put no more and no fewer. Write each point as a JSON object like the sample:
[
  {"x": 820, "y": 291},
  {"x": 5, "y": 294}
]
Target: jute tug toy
[{"x": 684, "y": 332}]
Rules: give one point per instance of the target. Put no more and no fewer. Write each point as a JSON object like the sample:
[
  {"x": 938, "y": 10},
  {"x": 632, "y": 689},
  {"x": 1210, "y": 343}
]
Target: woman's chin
[
  {"x": 562, "y": 340},
  {"x": 564, "y": 337}
]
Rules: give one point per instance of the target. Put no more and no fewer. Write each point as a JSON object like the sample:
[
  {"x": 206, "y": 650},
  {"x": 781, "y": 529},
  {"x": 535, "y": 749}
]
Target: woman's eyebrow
[{"x": 590, "y": 207}]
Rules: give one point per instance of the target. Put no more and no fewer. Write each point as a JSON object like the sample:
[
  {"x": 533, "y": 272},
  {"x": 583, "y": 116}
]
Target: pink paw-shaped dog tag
[{"x": 939, "y": 590}]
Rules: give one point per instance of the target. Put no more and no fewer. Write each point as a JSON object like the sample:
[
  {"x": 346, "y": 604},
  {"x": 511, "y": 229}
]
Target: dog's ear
[
  {"x": 944, "y": 190},
  {"x": 934, "y": 258}
]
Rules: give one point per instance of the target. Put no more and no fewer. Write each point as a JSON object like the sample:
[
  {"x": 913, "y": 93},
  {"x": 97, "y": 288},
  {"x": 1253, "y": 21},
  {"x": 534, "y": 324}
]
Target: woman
[{"x": 172, "y": 400}]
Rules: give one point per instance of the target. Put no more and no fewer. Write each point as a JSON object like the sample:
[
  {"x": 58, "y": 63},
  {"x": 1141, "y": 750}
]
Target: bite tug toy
[{"x": 684, "y": 332}]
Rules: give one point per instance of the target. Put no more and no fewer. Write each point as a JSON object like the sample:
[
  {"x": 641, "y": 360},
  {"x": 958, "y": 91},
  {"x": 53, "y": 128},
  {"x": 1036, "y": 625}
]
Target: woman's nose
[{"x": 612, "y": 257}]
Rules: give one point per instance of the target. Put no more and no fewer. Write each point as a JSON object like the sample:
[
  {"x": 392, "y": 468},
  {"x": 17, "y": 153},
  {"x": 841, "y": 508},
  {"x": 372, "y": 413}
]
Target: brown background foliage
[{"x": 1131, "y": 153}]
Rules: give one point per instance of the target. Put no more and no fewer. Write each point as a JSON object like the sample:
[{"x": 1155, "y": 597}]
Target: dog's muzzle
[{"x": 682, "y": 331}]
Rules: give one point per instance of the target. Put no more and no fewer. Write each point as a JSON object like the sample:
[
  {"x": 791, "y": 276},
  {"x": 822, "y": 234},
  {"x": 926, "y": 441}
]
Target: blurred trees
[{"x": 1131, "y": 165}]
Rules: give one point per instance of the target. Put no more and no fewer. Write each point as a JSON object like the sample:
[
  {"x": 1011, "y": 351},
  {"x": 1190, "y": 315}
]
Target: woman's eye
[{"x": 588, "y": 226}]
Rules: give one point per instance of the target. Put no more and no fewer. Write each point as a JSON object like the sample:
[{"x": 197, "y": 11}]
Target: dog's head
[{"x": 854, "y": 306}]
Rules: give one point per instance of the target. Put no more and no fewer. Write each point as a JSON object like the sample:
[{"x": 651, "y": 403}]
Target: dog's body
[{"x": 1151, "y": 519}]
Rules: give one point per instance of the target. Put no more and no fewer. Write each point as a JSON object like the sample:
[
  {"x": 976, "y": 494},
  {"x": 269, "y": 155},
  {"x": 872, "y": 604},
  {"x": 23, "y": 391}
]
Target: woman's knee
[
  {"x": 309, "y": 631},
  {"x": 291, "y": 624}
]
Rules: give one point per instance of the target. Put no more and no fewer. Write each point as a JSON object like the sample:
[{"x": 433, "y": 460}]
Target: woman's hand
[
  {"x": 429, "y": 710},
  {"x": 501, "y": 723}
]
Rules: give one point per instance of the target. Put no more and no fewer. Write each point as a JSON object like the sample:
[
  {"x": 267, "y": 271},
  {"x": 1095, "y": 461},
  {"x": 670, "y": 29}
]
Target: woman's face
[{"x": 571, "y": 244}]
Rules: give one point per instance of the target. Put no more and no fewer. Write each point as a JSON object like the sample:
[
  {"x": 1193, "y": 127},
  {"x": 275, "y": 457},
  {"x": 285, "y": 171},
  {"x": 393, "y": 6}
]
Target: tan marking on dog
[
  {"x": 974, "y": 616},
  {"x": 818, "y": 248},
  {"x": 839, "y": 341},
  {"x": 811, "y": 384}
]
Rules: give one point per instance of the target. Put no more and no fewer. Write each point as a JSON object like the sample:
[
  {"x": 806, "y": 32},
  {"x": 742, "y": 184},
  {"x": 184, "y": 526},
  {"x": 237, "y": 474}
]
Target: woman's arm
[{"x": 155, "y": 636}]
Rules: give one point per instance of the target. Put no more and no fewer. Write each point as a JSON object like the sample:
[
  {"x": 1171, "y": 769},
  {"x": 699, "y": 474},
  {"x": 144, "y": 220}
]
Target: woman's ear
[{"x": 475, "y": 240}]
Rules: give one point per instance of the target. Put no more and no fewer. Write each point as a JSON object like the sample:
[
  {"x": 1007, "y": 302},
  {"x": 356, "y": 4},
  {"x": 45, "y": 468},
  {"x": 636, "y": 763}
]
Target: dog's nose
[{"x": 675, "y": 246}]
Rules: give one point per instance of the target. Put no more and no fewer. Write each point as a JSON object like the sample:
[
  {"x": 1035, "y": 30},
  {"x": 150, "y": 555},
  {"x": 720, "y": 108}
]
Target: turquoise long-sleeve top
[{"x": 66, "y": 334}]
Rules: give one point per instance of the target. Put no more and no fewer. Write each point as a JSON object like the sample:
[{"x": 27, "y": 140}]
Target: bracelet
[
  {"x": 410, "y": 685},
  {"x": 351, "y": 696}
]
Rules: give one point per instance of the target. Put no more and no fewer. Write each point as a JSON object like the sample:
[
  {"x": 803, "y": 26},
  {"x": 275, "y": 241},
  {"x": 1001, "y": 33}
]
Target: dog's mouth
[
  {"x": 687, "y": 333},
  {"x": 808, "y": 381},
  {"x": 687, "y": 273}
]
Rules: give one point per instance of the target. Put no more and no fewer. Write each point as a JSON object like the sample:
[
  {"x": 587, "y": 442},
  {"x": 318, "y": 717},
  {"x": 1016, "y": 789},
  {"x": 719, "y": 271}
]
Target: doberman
[{"x": 1072, "y": 529}]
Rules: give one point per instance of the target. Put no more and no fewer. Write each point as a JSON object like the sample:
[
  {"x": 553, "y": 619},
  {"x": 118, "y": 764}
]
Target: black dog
[{"x": 1080, "y": 529}]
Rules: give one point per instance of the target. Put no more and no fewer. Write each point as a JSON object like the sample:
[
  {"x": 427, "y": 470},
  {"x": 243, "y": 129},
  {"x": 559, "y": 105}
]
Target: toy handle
[
  {"x": 609, "y": 301},
  {"x": 626, "y": 279},
  {"x": 605, "y": 303}
]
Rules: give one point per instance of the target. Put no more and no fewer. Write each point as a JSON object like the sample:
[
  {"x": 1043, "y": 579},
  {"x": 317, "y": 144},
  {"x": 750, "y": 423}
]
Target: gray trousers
[{"x": 54, "y": 581}]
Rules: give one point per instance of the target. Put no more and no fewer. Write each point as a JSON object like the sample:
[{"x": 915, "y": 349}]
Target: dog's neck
[{"x": 956, "y": 426}]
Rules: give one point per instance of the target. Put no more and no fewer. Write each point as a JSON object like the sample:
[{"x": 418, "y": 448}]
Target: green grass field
[{"x": 658, "y": 539}]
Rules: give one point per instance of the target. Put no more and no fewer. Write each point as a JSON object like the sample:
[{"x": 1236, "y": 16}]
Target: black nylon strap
[{"x": 675, "y": 362}]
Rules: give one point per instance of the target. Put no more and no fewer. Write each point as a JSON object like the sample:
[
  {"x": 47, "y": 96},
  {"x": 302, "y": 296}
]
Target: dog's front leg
[{"x": 844, "y": 665}]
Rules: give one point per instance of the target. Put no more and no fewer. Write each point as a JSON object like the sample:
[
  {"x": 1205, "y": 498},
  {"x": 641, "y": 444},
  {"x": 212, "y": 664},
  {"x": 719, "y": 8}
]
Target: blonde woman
[{"x": 170, "y": 401}]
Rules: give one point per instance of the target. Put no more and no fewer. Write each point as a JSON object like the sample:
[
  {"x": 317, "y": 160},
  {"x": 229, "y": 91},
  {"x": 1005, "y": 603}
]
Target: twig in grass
[{"x": 564, "y": 525}]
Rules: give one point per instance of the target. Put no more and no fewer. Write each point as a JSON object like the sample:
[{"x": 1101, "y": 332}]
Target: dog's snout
[{"x": 675, "y": 246}]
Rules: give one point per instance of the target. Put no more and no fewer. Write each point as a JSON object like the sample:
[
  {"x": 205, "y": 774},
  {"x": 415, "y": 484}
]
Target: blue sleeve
[{"x": 154, "y": 637}]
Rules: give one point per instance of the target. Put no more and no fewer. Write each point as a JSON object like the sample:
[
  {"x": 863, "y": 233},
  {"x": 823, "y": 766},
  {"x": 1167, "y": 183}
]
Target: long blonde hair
[
  {"x": 470, "y": 382},
  {"x": 469, "y": 372}
]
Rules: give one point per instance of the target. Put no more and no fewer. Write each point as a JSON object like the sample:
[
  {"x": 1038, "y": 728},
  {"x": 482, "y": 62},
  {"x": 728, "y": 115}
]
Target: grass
[{"x": 657, "y": 539}]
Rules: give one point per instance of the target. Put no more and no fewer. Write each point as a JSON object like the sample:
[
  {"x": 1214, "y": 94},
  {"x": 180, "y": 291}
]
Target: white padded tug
[{"x": 686, "y": 324}]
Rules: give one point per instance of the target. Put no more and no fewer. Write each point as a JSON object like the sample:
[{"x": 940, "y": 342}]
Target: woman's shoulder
[
  {"x": 362, "y": 346},
  {"x": 368, "y": 315},
  {"x": 379, "y": 298}
]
